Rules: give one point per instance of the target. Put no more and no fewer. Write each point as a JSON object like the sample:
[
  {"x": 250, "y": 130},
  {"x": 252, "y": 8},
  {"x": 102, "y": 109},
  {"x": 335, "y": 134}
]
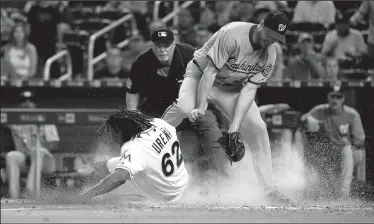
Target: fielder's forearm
[
  {"x": 132, "y": 101},
  {"x": 205, "y": 86},
  {"x": 244, "y": 102}
]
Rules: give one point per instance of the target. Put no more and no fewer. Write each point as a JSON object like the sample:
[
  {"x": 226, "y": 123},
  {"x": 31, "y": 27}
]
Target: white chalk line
[{"x": 146, "y": 208}]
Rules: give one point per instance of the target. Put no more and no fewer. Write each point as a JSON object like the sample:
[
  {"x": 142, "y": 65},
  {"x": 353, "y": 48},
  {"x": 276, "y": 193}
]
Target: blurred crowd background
[
  {"x": 327, "y": 41},
  {"x": 33, "y": 31}
]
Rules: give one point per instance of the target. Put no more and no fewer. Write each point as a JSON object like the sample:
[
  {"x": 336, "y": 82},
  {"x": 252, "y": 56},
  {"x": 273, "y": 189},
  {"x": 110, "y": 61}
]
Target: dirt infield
[{"x": 16, "y": 211}]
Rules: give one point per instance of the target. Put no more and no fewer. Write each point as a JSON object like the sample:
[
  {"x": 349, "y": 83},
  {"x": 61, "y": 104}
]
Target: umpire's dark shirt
[{"x": 160, "y": 91}]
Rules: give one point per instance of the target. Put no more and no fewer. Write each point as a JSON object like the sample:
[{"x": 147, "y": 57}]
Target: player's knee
[{"x": 14, "y": 157}]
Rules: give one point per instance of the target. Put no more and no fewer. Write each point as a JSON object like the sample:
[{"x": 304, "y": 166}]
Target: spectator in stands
[
  {"x": 46, "y": 28},
  {"x": 308, "y": 65},
  {"x": 189, "y": 33},
  {"x": 23, "y": 158},
  {"x": 322, "y": 12},
  {"x": 186, "y": 25},
  {"x": 208, "y": 20},
  {"x": 260, "y": 11},
  {"x": 20, "y": 54},
  {"x": 246, "y": 10},
  {"x": 226, "y": 11},
  {"x": 366, "y": 9},
  {"x": 156, "y": 75},
  {"x": 6, "y": 25},
  {"x": 113, "y": 68},
  {"x": 345, "y": 44},
  {"x": 136, "y": 46},
  {"x": 140, "y": 11},
  {"x": 339, "y": 133},
  {"x": 218, "y": 14},
  {"x": 202, "y": 36},
  {"x": 272, "y": 5}
]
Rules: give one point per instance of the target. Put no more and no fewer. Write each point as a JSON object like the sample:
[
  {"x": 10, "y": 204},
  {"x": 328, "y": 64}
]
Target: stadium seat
[
  {"x": 317, "y": 30},
  {"x": 112, "y": 14},
  {"x": 76, "y": 43},
  {"x": 90, "y": 25},
  {"x": 353, "y": 74},
  {"x": 82, "y": 13},
  {"x": 306, "y": 27},
  {"x": 121, "y": 32},
  {"x": 76, "y": 36}
]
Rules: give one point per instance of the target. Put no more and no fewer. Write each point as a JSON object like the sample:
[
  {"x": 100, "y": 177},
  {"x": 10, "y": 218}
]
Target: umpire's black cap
[
  {"x": 162, "y": 35},
  {"x": 276, "y": 25}
]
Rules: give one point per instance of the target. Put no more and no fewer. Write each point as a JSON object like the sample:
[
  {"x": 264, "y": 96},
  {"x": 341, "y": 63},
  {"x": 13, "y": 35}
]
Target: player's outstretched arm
[
  {"x": 245, "y": 100},
  {"x": 111, "y": 182}
]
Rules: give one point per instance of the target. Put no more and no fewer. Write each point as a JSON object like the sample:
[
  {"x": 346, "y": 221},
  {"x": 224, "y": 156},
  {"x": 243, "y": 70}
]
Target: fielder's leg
[
  {"x": 186, "y": 101},
  {"x": 254, "y": 132},
  {"x": 209, "y": 132},
  {"x": 347, "y": 170},
  {"x": 359, "y": 164}
]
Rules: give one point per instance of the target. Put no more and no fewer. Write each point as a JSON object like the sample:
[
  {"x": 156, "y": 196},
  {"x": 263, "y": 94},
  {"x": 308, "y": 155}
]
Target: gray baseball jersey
[{"x": 231, "y": 51}]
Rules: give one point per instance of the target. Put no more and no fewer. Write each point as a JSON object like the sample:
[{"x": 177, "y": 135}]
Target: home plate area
[{"x": 17, "y": 211}]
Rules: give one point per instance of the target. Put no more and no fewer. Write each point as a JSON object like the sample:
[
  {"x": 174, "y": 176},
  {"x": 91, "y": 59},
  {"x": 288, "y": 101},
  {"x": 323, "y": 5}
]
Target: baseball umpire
[{"x": 156, "y": 75}]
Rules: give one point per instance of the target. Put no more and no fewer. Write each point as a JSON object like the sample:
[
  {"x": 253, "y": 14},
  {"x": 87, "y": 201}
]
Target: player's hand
[
  {"x": 313, "y": 124},
  {"x": 128, "y": 83},
  {"x": 195, "y": 114}
]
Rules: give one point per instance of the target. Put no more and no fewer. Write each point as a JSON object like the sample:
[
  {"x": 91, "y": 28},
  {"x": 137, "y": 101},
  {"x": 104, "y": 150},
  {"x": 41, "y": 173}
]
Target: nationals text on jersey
[{"x": 245, "y": 66}]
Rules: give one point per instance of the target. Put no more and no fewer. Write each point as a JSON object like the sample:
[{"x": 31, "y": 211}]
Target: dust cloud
[{"x": 238, "y": 186}]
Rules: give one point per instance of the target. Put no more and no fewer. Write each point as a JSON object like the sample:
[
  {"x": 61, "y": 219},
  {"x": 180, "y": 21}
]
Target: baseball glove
[{"x": 233, "y": 145}]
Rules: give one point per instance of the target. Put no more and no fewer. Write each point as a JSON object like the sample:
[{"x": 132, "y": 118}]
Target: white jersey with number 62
[{"x": 155, "y": 162}]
